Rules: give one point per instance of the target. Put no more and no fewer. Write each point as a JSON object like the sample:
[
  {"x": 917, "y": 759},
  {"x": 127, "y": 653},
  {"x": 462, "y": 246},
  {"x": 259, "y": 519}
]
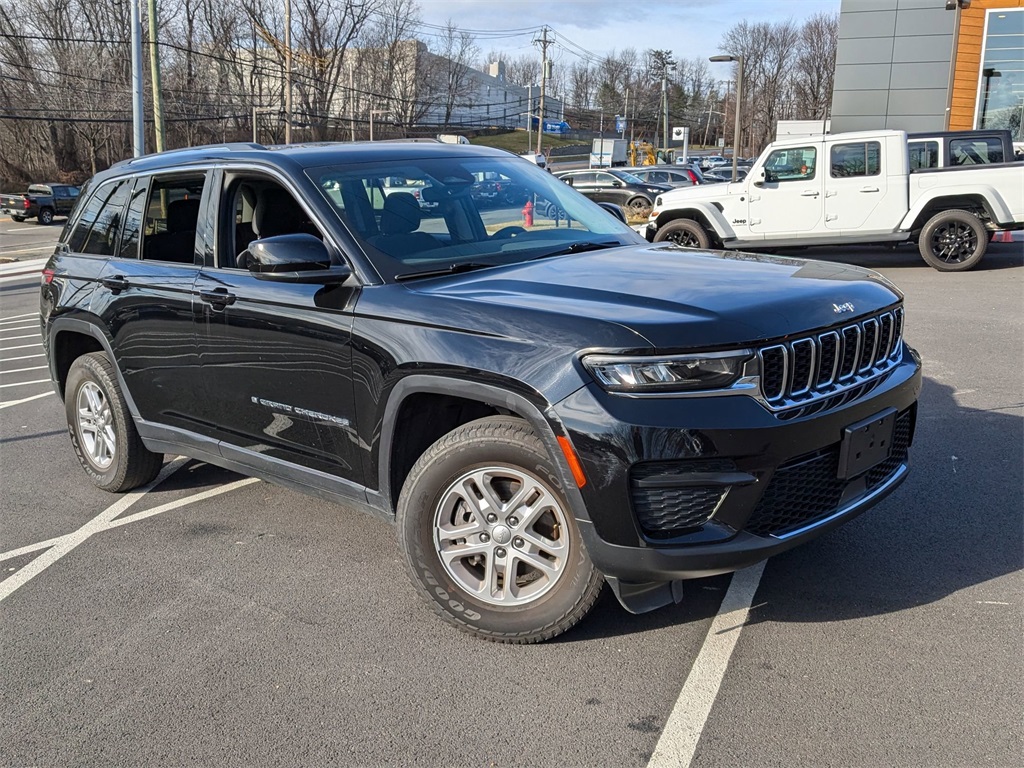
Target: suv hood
[{"x": 673, "y": 297}]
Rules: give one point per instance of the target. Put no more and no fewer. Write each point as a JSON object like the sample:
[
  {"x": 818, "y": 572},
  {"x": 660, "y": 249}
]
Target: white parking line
[
  {"x": 23, "y": 357},
  {"x": 23, "y": 346},
  {"x": 27, "y": 336},
  {"x": 62, "y": 545},
  {"x": 37, "y": 249},
  {"x": 23, "y": 370},
  {"x": 14, "y": 329},
  {"x": 25, "y": 383},
  {"x": 11, "y": 403},
  {"x": 12, "y": 318},
  {"x": 679, "y": 738}
]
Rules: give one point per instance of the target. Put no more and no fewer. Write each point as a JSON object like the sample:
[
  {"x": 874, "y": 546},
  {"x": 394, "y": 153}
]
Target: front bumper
[{"x": 772, "y": 483}]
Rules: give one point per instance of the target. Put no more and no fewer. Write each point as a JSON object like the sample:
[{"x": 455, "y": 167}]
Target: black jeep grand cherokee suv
[{"x": 539, "y": 408}]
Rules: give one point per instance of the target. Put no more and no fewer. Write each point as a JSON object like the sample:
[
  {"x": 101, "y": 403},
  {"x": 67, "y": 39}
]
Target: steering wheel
[{"x": 508, "y": 232}]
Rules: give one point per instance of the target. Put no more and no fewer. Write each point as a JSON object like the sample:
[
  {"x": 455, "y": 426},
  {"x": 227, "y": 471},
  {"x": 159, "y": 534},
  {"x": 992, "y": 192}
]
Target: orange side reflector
[{"x": 574, "y": 461}]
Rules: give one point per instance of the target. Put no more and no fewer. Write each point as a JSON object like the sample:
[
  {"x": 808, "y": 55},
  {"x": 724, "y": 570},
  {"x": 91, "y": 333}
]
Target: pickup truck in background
[
  {"x": 42, "y": 202},
  {"x": 851, "y": 188}
]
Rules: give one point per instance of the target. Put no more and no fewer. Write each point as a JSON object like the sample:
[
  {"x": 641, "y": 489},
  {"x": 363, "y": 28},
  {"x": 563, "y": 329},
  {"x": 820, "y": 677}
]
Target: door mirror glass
[{"x": 616, "y": 211}]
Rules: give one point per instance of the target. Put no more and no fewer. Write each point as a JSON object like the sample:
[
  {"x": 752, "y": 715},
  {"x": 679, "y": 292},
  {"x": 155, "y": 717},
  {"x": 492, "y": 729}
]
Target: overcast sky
[{"x": 688, "y": 28}]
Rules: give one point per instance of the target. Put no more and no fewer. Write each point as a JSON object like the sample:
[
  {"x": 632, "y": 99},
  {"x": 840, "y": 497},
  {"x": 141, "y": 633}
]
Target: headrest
[
  {"x": 277, "y": 213},
  {"x": 182, "y": 215},
  {"x": 401, "y": 214}
]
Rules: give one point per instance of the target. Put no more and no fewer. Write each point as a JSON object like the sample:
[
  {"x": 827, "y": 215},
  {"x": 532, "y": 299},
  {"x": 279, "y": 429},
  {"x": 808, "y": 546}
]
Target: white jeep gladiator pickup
[{"x": 843, "y": 189}]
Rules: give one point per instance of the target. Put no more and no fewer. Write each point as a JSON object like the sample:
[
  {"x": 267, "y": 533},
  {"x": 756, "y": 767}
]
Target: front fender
[{"x": 706, "y": 213}]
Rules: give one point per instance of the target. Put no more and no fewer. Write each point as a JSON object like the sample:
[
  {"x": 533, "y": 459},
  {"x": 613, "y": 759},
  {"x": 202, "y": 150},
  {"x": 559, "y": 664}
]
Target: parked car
[
  {"x": 42, "y": 202},
  {"x": 724, "y": 173},
  {"x": 539, "y": 410},
  {"x": 493, "y": 188},
  {"x": 673, "y": 176},
  {"x": 843, "y": 189},
  {"x": 612, "y": 185},
  {"x": 713, "y": 161}
]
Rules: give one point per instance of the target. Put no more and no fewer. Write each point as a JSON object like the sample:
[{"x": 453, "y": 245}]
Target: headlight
[{"x": 669, "y": 373}]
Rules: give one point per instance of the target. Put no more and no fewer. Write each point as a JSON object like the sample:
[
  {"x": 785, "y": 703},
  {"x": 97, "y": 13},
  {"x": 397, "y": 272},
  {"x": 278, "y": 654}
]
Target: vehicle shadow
[
  {"x": 955, "y": 523},
  {"x": 998, "y": 256}
]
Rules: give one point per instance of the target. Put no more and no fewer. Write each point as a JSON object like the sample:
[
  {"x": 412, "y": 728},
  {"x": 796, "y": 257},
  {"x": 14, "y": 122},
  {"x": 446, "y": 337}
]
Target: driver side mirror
[
  {"x": 616, "y": 184},
  {"x": 298, "y": 258}
]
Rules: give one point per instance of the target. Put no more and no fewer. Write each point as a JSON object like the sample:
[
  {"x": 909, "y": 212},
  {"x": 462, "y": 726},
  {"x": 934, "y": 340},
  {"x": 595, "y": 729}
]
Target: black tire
[
  {"x": 953, "y": 241},
  {"x": 18, "y": 219},
  {"x": 684, "y": 232},
  {"x": 497, "y": 448},
  {"x": 45, "y": 216},
  {"x": 638, "y": 206},
  {"x": 129, "y": 463}
]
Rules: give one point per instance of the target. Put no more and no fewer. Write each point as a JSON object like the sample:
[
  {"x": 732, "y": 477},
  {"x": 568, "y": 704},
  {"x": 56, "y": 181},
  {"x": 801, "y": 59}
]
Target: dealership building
[{"x": 930, "y": 65}]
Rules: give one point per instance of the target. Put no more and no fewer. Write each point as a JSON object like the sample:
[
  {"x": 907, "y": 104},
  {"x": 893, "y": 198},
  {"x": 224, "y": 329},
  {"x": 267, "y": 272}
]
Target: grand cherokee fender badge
[
  {"x": 841, "y": 308},
  {"x": 293, "y": 409}
]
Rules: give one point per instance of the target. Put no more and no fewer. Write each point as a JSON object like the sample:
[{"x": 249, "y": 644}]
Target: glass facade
[{"x": 1001, "y": 80}]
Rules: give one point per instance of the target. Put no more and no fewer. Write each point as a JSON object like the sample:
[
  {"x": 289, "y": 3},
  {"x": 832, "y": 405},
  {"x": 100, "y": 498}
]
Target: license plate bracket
[{"x": 866, "y": 444}]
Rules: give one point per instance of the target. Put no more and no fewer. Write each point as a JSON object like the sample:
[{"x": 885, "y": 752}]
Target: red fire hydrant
[{"x": 528, "y": 214}]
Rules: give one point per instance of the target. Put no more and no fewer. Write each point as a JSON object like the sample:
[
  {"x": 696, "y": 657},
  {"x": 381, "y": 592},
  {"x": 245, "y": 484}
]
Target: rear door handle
[
  {"x": 218, "y": 297},
  {"x": 810, "y": 193},
  {"x": 115, "y": 283},
  {"x": 869, "y": 189}
]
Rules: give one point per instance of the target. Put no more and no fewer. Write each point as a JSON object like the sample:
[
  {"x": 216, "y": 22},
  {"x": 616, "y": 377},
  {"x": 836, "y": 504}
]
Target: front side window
[
  {"x": 860, "y": 159},
  {"x": 792, "y": 164},
  {"x": 131, "y": 232},
  {"x": 447, "y": 227}
]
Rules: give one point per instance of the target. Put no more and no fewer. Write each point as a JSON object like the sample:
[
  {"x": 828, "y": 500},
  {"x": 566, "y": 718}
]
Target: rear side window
[
  {"x": 102, "y": 213},
  {"x": 172, "y": 214},
  {"x": 860, "y": 159},
  {"x": 131, "y": 233},
  {"x": 976, "y": 151},
  {"x": 923, "y": 154}
]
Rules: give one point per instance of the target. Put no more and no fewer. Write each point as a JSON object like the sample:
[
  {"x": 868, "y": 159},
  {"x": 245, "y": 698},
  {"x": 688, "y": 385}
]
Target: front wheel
[
  {"x": 45, "y": 216},
  {"x": 953, "y": 241},
  {"x": 103, "y": 433},
  {"x": 489, "y": 538},
  {"x": 684, "y": 232},
  {"x": 638, "y": 207}
]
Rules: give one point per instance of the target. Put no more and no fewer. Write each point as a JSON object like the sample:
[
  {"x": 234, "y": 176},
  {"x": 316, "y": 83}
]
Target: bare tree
[
  {"x": 455, "y": 51},
  {"x": 815, "y": 66}
]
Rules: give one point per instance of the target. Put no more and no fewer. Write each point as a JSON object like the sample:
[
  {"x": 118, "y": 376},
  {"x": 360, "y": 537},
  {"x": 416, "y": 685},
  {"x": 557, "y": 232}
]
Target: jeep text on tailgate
[{"x": 540, "y": 409}]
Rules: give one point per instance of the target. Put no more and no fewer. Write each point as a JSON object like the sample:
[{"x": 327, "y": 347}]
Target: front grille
[
  {"x": 807, "y": 489},
  {"x": 820, "y": 366},
  {"x": 667, "y": 512}
]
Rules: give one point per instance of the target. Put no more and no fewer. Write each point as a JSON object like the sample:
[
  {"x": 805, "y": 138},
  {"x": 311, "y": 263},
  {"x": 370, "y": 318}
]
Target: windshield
[{"x": 425, "y": 215}]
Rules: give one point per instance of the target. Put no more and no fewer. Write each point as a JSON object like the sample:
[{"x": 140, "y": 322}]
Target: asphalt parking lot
[{"x": 220, "y": 620}]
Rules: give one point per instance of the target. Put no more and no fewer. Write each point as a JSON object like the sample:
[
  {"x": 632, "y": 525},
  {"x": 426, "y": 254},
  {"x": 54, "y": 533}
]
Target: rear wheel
[
  {"x": 489, "y": 538},
  {"x": 953, "y": 241},
  {"x": 18, "y": 219},
  {"x": 684, "y": 232},
  {"x": 45, "y": 216},
  {"x": 638, "y": 207},
  {"x": 103, "y": 433}
]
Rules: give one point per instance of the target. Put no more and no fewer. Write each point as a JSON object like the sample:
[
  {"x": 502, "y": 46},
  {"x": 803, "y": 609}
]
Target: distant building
[{"x": 929, "y": 65}]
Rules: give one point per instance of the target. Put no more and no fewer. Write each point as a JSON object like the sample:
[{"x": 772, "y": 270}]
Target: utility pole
[
  {"x": 154, "y": 66},
  {"x": 529, "y": 117},
  {"x": 288, "y": 71},
  {"x": 138, "y": 118},
  {"x": 625, "y": 115},
  {"x": 544, "y": 43},
  {"x": 668, "y": 64}
]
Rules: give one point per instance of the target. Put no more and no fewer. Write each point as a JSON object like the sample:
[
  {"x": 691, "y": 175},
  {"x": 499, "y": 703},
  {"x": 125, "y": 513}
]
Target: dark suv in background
[
  {"x": 611, "y": 185},
  {"x": 540, "y": 407}
]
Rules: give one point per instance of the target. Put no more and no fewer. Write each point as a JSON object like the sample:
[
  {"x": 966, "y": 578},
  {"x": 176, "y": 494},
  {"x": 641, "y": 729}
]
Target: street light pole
[{"x": 739, "y": 100}]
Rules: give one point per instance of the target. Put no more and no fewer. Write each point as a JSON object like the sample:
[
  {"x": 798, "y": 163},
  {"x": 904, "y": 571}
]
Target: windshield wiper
[
  {"x": 451, "y": 269},
  {"x": 580, "y": 247}
]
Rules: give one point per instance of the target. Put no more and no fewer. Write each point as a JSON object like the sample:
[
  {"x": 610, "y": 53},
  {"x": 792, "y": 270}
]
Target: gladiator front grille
[{"x": 817, "y": 366}]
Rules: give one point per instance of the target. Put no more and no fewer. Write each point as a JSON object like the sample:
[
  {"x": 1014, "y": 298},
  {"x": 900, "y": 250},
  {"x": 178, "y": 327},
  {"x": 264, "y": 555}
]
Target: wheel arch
[
  {"x": 71, "y": 337},
  {"x": 711, "y": 219},
  {"x": 981, "y": 202},
  {"x": 457, "y": 401}
]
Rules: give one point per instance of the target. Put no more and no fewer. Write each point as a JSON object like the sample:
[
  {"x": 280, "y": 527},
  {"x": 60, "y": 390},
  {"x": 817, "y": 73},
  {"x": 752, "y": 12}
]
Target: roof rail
[{"x": 231, "y": 146}]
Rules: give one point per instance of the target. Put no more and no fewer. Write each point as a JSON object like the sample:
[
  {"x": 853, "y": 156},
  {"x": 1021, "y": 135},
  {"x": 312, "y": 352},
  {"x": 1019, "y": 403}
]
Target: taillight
[
  {"x": 47, "y": 276},
  {"x": 26, "y": 203}
]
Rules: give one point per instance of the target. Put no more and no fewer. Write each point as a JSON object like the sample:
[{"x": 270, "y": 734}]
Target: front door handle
[
  {"x": 115, "y": 283},
  {"x": 218, "y": 297},
  {"x": 810, "y": 193},
  {"x": 869, "y": 189}
]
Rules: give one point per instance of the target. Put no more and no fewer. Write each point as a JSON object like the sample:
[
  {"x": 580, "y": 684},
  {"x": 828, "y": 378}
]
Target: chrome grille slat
[{"x": 823, "y": 367}]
